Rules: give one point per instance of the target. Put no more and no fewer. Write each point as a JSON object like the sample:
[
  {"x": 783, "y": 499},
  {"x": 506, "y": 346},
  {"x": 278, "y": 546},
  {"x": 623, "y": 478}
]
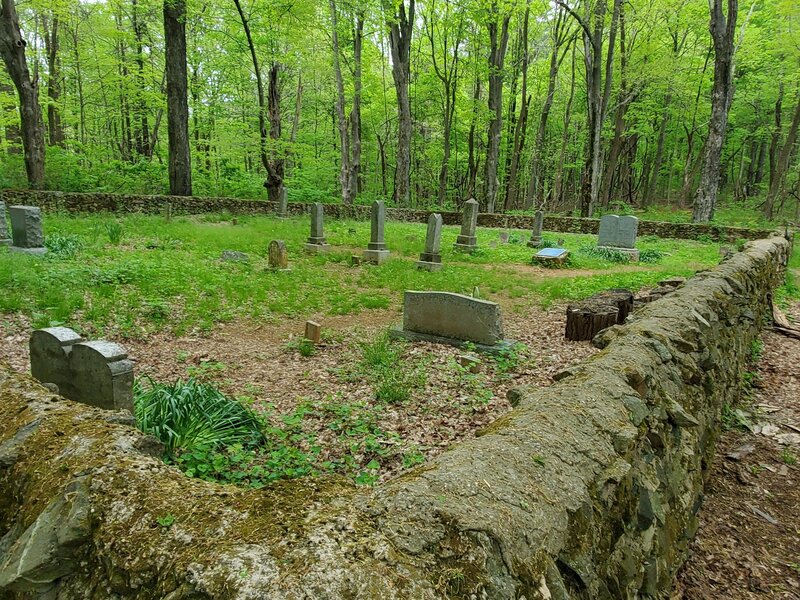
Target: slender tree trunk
[
  {"x": 401, "y": 25},
  {"x": 559, "y": 176},
  {"x": 522, "y": 123},
  {"x": 344, "y": 136},
  {"x": 355, "y": 114},
  {"x": 722, "y": 32},
  {"x": 51, "y": 42},
  {"x": 180, "y": 163},
  {"x": 12, "y": 49},
  {"x": 498, "y": 44},
  {"x": 473, "y": 159},
  {"x": 142, "y": 132},
  {"x": 781, "y": 168}
]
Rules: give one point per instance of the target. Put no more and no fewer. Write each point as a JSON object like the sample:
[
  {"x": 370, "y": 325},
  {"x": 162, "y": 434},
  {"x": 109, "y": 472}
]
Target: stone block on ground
[
  {"x": 551, "y": 256},
  {"x": 234, "y": 256},
  {"x": 313, "y": 332}
]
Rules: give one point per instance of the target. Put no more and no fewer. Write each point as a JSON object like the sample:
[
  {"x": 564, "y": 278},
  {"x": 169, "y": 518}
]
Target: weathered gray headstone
[
  {"x": 97, "y": 373},
  {"x": 454, "y": 319},
  {"x": 619, "y": 233},
  {"x": 504, "y": 237},
  {"x": 278, "y": 255},
  {"x": 4, "y": 239},
  {"x": 466, "y": 241},
  {"x": 431, "y": 259},
  {"x": 282, "y": 210},
  {"x": 26, "y": 229},
  {"x": 316, "y": 241},
  {"x": 376, "y": 251},
  {"x": 557, "y": 256},
  {"x": 536, "y": 233}
]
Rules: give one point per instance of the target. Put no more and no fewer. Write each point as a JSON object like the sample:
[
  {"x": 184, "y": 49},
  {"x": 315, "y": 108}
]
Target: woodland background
[{"x": 576, "y": 106}]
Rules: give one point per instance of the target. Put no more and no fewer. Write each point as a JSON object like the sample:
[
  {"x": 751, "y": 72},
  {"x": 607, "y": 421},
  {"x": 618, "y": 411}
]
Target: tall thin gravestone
[
  {"x": 316, "y": 242},
  {"x": 536, "y": 233},
  {"x": 431, "y": 259},
  {"x": 4, "y": 239},
  {"x": 467, "y": 242},
  {"x": 26, "y": 230},
  {"x": 282, "y": 210},
  {"x": 376, "y": 251}
]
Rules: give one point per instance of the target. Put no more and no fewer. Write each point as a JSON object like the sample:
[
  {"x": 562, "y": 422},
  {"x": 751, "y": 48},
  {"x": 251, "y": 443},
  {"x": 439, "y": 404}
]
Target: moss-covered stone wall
[
  {"x": 587, "y": 489},
  {"x": 78, "y": 203}
]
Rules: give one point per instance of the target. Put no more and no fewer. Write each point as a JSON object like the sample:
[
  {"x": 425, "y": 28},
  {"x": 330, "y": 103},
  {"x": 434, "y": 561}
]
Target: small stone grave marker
[
  {"x": 536, "y": 233},
  {"x": 235, "y": 256},
  {"x": 278, "y": 256},
  {"x": 313, "y": 332},
  {"x": 316, "y": 241},
  {"x": 282, "y": 209},
  {"x": 466, "y": 241},
  {"x": 503, "y": 237},
  {"x": 26, "y": 230}
]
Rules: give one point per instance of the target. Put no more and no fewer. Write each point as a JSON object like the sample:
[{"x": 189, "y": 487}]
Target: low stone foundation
[
  {"x": 80, "y": 203},
  {"x": 587, "y": 489}
]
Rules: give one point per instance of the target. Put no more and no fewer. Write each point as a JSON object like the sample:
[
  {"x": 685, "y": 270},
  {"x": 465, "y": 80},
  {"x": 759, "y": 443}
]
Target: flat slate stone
[{"x": 551, "y": 255}]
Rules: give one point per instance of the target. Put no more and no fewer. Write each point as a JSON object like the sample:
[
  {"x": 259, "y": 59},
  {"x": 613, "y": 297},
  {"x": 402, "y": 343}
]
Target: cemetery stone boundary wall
[
  {"x": 98, "y": 202},
  {"x": 589, "y": 488}
]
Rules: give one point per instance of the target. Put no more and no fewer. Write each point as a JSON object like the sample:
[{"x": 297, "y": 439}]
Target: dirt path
[{"x": 748, "y": 544}]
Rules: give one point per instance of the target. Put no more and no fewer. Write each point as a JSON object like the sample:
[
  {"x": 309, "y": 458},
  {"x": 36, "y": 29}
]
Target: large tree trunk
[
  {"x": 401, "y": 25},
  {"x": 722, "y": 32},
  {"x": 498, "y": 43},
  {"x": 142, "y": 126},
  {"x": 12, "y": 49},
  {"x": 51, "y": 42},
  {"x": 180, "y": 163}
]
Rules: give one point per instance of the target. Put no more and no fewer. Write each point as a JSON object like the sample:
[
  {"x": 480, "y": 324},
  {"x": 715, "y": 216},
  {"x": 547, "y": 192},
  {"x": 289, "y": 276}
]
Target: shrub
[
  {"x": 650, "y": 255},
  {"x": 190, "y": 415},
  {"x": 114, "y": 232},
  {"x": 63, "y": 246}
]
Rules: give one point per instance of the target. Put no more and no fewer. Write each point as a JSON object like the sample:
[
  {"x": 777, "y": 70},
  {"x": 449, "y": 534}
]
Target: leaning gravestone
[
  {"x": 26, "y": 230},
  {"x": 4, "y": 239},
  {"x": 97, "y": 373},
  {"x": 278, "y": 255},
  {"x": 619, "y": 233},
  {"x": 316, "y": 241},
  {"x": 377, "y": 252},
  {"x": 536, "y": 233},
  {"x": 466, "y": 241},
  {"x": 431, "y": 259},
  {"x": 234, "y": 256},
  {"x": 454, "y": 319}
]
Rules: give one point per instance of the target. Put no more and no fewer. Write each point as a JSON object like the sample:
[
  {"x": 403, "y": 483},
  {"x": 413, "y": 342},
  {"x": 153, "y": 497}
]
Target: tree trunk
[
  {"x": 522, "y": 123},
  {"x": 473, "y": 157},
  {"x": 401, "y": 25},
  {"x": 498, "y": 43},
  {"x": 180, "y": 162},
  {"x": 12, "y": 49},
  {"x": 779, "y": 173},
  {"x": 142, "y": 133},
  {"x": 722, "y": 31},
  {"x": 355, "y": 114},
  {"x": 344, "y": 137},
  {"x": 51, "y": 42}
]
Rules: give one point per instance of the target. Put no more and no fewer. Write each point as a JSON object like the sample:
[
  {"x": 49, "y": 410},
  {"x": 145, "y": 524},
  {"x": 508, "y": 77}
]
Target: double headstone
[
  {"x": 376, "y": 251},
  {"x": 282, "y": 210},
  {"x": 431, "y": 259},
  {"x": 466, "y": 241},
  {"x": 4, "y": 239},
  {"x": 26, "y": 230},
  {"x": 96, "y": 373},
  {"x": 536, "y": 233},
  {"x": 619, "y": 233},
  {"x": 278, "y": 255},
  {"x": 316, "y": 241}
]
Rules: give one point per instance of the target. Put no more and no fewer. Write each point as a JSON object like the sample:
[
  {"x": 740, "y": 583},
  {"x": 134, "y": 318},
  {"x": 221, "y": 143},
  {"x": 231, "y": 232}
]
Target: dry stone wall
[
  {"x": 587, "y": 489},
  {"x": 79, "y": 203}
]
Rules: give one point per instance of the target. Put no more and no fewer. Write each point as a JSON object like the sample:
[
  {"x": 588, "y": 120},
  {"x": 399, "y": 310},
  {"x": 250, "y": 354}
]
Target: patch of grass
[
  {"x": 63, "y": 246},
  {"x": 114, "y": 232},
  {"x": 788, "y": 457}
]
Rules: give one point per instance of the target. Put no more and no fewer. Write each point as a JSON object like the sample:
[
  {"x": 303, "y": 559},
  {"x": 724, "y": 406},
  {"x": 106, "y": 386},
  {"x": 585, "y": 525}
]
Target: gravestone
[
  {"x": 313, "y": 332},
  {"x": 557, "y": 256},
  {"x": 466, "y": 241},
  {"x": 536, "y": 233},
  {"x": 376, "y": 251},
  {"x": 278, "y": 256},
  {"x": 504, "y": 237},
  {"x": 4, "y": 239},
  {"x": 97, "y": 373},
  {"x": 619, "y": 233},
  {"x": 26, "y": 230},
  {"x": 431, "y": 259},
  {"x": 316, "y": 241},
  {"x": 454, "y": 319},
  {"x": 282, "y": 210}
]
